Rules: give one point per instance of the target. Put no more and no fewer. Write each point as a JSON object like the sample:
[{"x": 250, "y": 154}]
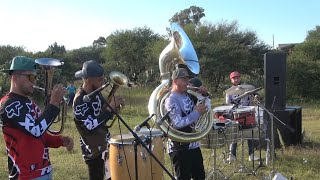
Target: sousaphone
[{"x": 179, "y": 51}]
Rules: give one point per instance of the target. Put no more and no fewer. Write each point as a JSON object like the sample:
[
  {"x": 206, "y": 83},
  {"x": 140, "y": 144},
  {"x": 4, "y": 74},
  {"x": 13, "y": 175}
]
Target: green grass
[{"x": 298, "y": 162}]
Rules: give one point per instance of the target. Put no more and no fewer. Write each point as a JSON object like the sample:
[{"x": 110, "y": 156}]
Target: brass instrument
[
  {"x": 48, "y": 65},
  {"x": 179, "y": 51},
  {"x": 117, "y": 80}
]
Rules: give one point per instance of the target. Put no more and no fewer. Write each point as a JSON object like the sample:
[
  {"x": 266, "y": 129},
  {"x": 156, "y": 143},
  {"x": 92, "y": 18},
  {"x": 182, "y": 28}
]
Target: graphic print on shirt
[
  {"x": 84, "y": 146},
  {"x": 29, "y": 122},
  {"x": 96, "y": 106},
  {"x": 81, "y": 109},
  {"x": 13, "y": 109},
  {"x": 13, "y": 167},
  {"x": 34, "y": 110}
]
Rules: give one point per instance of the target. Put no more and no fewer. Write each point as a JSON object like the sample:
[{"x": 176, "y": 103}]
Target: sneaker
[
  {"x": 231, "y": 158},
  {"x": 252, "y": 157}
]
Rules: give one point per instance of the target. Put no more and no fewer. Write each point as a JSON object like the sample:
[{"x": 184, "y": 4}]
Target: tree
[
  {"x": 191, "y": 15},
  {"x": 100, "y": 42},
  {"x": 313, "y": 34},
  {"x": 223, "y": 48},
  {"x": 303, "y": 66},
  {"x": 56, "y": 49},
  {"x": 7, "y": 53},
  {"x": 131, "y": 51}
]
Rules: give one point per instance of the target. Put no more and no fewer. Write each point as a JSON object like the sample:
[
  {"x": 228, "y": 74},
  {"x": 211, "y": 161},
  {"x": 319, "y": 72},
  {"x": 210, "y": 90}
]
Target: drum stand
[
  {"x": 243, "y": 169},
  {"x": 136, "y": 143},
  {"x": 215, "y": 173}
]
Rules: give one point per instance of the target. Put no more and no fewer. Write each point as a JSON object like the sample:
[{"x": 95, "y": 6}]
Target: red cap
[{"x": 234, "y": 74}]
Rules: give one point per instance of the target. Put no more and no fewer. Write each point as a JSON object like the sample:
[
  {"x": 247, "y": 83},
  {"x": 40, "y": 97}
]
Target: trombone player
[{"x": 90, "y": 117}]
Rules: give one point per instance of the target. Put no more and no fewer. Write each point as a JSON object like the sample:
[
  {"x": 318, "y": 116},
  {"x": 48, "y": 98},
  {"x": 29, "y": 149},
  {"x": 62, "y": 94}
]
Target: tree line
[{"x": 221, "y": 48}]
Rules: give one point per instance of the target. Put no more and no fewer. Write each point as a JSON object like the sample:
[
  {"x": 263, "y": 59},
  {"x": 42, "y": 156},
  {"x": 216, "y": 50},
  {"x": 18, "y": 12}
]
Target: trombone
[{"x": 117, "y": 80}]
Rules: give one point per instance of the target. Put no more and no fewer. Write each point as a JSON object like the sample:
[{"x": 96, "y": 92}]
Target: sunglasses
[{"x": 31, "y": 77}]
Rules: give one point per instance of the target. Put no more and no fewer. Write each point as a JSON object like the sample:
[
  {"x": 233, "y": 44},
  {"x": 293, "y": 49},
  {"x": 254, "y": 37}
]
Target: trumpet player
[
  {"x": 186, "y": 157},
  {"x": 90, "y": 117},
  {"x": 25, "y": 126}
]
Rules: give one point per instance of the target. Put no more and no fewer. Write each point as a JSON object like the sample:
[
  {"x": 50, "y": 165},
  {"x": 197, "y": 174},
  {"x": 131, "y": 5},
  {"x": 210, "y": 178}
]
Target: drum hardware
[
  {"x": 239, "y": 89},
  {"x": 246, "y": 93},
  {"x": 259, "y": 123},
  {"x": 138, "y": 141}
]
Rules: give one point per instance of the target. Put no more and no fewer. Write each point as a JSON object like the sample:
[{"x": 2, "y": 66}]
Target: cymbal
[{"x": 240, "y": 89}]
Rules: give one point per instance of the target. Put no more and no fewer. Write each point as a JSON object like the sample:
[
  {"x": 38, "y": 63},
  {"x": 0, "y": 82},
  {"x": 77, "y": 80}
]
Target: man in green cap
[{"x": 25, "y": 126}]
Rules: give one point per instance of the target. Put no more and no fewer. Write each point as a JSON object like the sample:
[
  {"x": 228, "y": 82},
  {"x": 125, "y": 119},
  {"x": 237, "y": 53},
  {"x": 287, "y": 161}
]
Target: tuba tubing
[{"x": 179, "y": 51}]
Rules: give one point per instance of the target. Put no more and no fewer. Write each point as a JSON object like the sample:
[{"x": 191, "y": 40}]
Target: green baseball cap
[{"x": 21, "y": 63}]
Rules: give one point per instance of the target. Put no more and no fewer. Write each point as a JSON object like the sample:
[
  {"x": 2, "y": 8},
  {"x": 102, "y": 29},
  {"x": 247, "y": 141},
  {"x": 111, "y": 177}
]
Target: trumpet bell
[
  {"x": 49, "y": 62},
  {"x": 119, "y": 79}
]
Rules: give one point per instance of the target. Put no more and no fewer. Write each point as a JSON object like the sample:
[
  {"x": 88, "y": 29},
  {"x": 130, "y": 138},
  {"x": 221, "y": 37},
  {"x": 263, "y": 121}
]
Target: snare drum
[
  {"x": 216, "y": 137},
  {"x": 122, "y": 158},
  {"x": 221, "y": 112},
  {"x": 245, "y": 116},
  {"x": 154, "y": 142}
]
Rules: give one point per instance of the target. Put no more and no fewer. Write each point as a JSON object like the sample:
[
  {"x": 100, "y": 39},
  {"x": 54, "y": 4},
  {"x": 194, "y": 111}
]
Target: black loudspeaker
[
  {"x": 275, "y": 80},
  {"x": 290, "y": 129},
  {"x": 296, "y": 123}
]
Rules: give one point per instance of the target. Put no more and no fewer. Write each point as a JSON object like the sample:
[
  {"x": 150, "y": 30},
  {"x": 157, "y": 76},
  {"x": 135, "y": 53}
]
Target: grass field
[{"x": 296, "y": 162}]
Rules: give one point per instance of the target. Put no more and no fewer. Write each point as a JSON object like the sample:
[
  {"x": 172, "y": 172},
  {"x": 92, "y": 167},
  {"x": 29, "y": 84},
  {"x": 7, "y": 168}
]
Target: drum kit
[{"x": 233, "y": 123}]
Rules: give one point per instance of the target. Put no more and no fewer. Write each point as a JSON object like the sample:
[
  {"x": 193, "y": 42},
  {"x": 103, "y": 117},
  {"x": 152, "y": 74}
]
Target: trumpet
[
  {"x": 48, "y": 65},
  {"x": 65, "y": 99}
]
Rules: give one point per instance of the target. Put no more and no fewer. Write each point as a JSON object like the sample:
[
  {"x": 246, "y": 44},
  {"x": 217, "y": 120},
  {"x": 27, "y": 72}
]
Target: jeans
[
  {"x": 44, "y": 177},
  {"x": 233, "y": 148}
]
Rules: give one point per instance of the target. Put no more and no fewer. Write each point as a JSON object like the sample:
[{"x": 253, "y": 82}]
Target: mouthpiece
[
  {"x": 39, "y": 88},
  {"x": 193, "y": 88}
]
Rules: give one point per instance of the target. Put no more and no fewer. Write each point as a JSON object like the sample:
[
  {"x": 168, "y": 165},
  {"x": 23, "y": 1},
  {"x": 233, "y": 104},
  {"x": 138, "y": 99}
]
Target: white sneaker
[
  {"x": 252, "y": 157},
  {"x": 231, "y": 158}
]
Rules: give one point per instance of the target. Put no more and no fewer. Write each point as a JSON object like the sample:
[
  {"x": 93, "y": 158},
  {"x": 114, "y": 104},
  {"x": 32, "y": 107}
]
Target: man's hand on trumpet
[{"x": 57, "y": 93}]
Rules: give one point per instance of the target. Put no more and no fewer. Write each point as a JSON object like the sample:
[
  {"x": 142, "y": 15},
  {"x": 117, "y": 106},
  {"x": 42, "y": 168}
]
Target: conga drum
[
  {"x": 155, "y": 144},
  {"x": 122, "y": 158}
]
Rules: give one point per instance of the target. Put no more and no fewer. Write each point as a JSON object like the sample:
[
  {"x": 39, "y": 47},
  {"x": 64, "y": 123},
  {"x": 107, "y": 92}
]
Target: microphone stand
[
  {"x": 272, "y": 117},
  {"x": 136, "y": 143},
  {"x": 259, "y": 124}
]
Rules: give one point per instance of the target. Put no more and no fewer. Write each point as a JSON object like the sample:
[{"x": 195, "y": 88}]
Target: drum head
[
  {"x": 243, "y": 109},
  {"x": 154, "y": 132},
  {"x": 125, "y": 138},
  {"x": 222, "y": 109}
]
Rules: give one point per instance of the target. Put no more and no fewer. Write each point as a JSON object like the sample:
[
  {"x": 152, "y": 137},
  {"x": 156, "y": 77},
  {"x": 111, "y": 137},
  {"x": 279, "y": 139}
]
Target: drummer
[{"x": 245, "y": 101}]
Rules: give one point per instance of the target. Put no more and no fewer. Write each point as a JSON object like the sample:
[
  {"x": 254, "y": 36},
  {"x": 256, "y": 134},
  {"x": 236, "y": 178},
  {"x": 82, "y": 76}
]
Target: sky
[{"x": 36, "y": 24}]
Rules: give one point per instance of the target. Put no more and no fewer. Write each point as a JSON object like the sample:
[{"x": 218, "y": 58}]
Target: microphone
[
  {"x": 86, "y": 98},
  {"x": 166, "y": 116},
  {"x": 144, "y": 123}
]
